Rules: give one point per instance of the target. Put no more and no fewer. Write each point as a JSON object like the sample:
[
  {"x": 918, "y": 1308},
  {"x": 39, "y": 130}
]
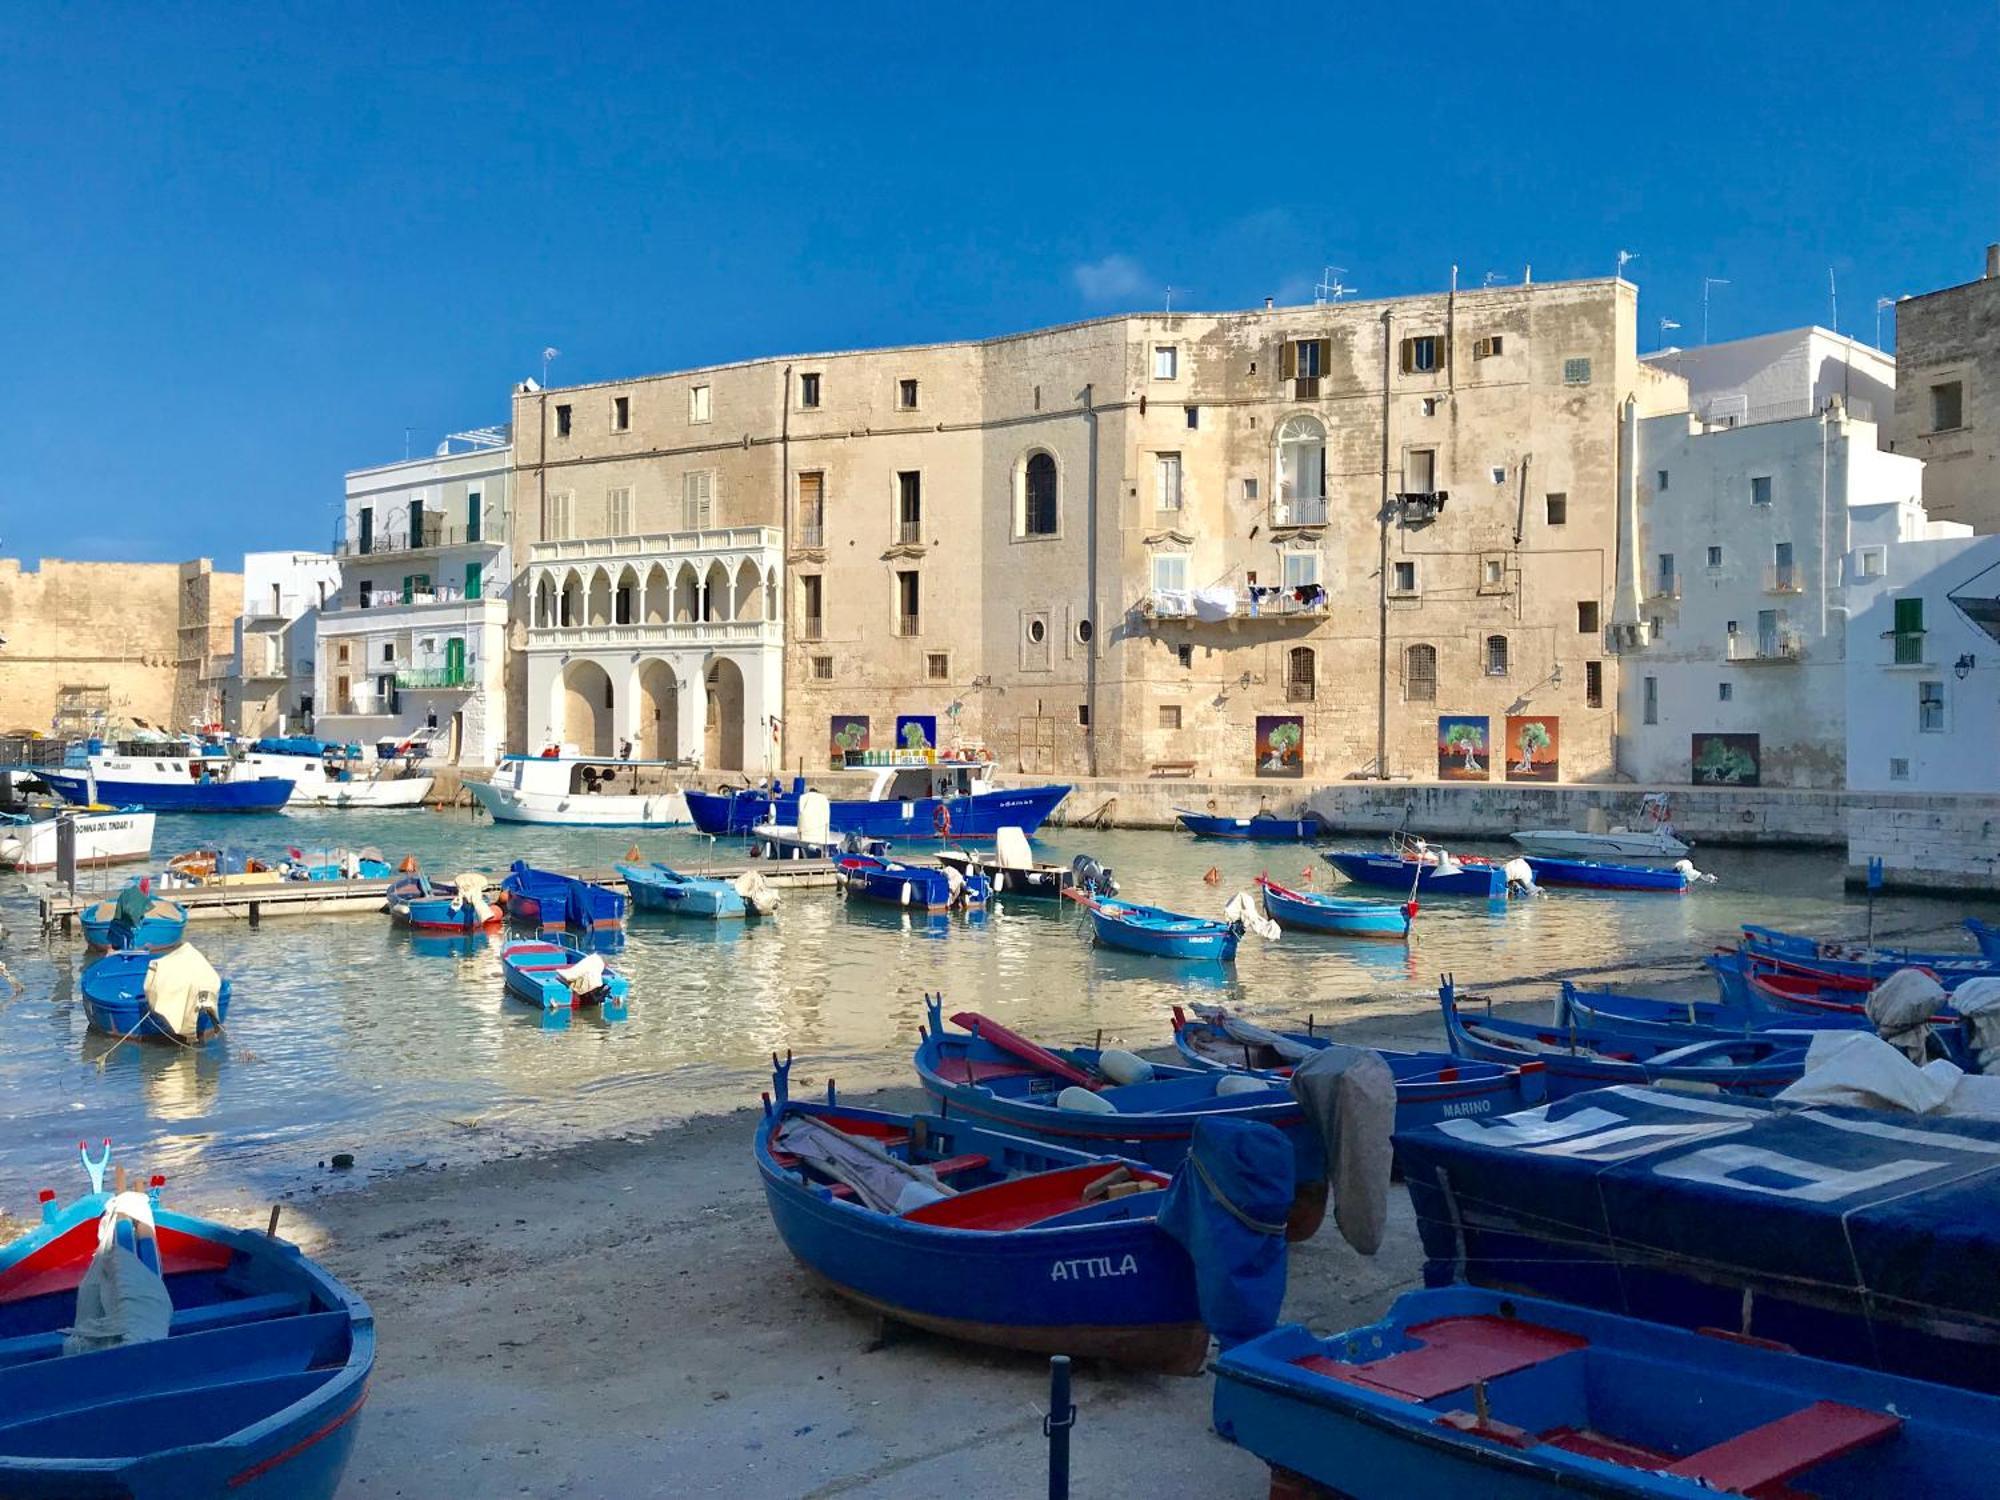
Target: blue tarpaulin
[{"x": 1227, "y": 1208}]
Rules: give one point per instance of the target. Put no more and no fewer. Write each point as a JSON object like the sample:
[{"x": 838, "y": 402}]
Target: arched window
[
  {"x": 1301, "y": 472},
  {"x": 1420, "y": 674},
  {"x": 1038, "y": 496},
  {"x": 1496, "y": 656},
  {"x": 1300, "y": 674}
]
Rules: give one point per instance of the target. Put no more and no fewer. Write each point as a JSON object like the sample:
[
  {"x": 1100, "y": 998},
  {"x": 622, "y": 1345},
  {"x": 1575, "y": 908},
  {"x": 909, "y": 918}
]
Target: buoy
[
  {"x": 632, "y": 854},
  {"x": 1213, "y": 877},
  {"x": 408, "y": 866}
]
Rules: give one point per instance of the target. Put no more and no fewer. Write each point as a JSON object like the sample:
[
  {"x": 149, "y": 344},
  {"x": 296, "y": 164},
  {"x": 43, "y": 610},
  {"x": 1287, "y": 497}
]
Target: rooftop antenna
[
  {"x": 1833, "y": 297},
  {"x": 1666, "y": 324},
  {"x": 406, "y": 443},
  {"x": 547, "y": 355},
  {"x": 1706, "y": 283},
  {"x": 1331, "y": 288},
  {"x": 1492, "y": 278},
  {"x": 1882, "y": 303},
  {"x": 1623, "y": 257},
  {"x": 1170, "y": 299}
]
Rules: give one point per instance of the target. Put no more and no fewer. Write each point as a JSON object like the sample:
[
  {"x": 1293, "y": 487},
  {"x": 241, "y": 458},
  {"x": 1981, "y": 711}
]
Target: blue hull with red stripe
[{"x": 255, "y": 1392}]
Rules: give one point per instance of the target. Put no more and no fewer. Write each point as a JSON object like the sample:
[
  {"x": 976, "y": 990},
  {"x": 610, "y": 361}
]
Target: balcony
[
  {"x": 1303, "y": 510},
  {"x": 1767, "y": 646},
  {"x": 812, "y": 628},
  {"x": 657, "y": 635},
  {"x": 1215, "y": 605},
  {"x": 1906, "y": 648},
  {"x": 910, "y": 533},
  {"x": 397, "y": 539},
  {"x": 1783, "y": 578},
  {"x": 1666, "y": 586},
  {"x": 907, "y": 625},
  {"x": 273, "y": 612},
  {"x": 811, "y": 535},
  {"x": 391, "y": 599},
  {"x": 466, "y": 676}
]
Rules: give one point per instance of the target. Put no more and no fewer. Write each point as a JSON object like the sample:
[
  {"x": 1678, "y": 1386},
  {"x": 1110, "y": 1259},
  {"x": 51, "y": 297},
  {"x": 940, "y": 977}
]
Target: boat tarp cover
[
  {"x": 180, "y": 985},
  {"x": 877, "y": 1178},
  {"x": 1227, "y": 1207},
  {"x": 1850, "y": 1234},
  {"x": 1349, "y": 1098}
]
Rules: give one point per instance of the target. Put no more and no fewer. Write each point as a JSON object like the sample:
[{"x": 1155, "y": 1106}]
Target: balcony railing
[
  {"x": 1767, "y": 646},
  {"x": 490, "y": 530},
  {"x": 811, "y": 534},
  {"x": 438, "y": 677},
  {"x": 1907, "y": 649},
  {"x": 1783, "y": 578},
  {"x": 658, "y": 634},
  {"x": 392, "y": 599},
  {"x": 707, "y": 541},
  {"x": 910, "y": 533},
  {"x": 1298, "y": 691},
  {"x": 909, "y": 624},
  {"x": 812, "y": 628},
  {"x": 1299, "y": 511},
  {"x": 1241, "y": 604},
  {"x": 1666, "y": 586},
  {"x": 268, "y": 610}
]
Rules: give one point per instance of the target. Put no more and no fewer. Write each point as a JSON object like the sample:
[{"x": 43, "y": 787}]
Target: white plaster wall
[{"x": 1778, "y": 376}]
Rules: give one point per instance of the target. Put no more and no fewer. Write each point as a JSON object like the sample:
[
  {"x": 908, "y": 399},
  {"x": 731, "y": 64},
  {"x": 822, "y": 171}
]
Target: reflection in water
[{"x": 351, "y": 1034}]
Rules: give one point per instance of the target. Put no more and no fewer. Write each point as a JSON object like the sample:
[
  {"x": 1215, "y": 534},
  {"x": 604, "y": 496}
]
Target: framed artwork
[
  {"x": 1725, "y": 759},
  {"x": 847, "y": 732},
  {"x": 916, "y": 731},
  {"x": 1533, "y": 747},
  {"x": 1464, "y": 750},
  {"x": 1281, "y": 745}
]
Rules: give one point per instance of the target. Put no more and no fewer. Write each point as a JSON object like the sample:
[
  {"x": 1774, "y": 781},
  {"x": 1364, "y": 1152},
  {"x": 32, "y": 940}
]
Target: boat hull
[
  {"x": 529, "y": 970},
  {"x": 508, "y": 804},
  {"x": 1044, "y": 882},
  {"x": 1560, "y": 843},
  {"x": 159, "y": 931},
  {"x": 1986, "y": 935},
  {"x": 101, "y": 839},
  {"x": 1592, "y": 874},
  {"x": 1806, "y": 955},
  {"x": 114, "y": 1002},
  {"x": 680, "y": 895},
  {"x": 404, "y": 791},
  {"x": 1251, "y": 830},
  {"x": 1340, "y": 916},
  {"x": 975, "y": 817},
  {"x": 915, "y": 887},
  {"x": 1392, "y": 873},
  {"x": 266, "y": 794}
]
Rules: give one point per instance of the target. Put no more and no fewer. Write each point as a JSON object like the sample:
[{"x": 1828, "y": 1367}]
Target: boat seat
[
  {"x": 1456, "y": 1353},
  {"x": 1777, "y": 1451},
  {"x": 32, "y": 1346},
  {"x": 951, "y": 1165},
  {"x": 973, "y": 1070}
]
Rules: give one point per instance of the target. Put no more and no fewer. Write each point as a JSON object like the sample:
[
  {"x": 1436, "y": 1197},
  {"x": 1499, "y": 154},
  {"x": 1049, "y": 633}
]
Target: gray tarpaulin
[{"x": 1349, "y": 1096}]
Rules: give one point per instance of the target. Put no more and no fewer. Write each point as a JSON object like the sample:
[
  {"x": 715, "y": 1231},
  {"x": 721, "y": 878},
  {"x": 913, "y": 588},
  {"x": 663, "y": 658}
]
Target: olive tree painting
[
  {"x": 1463, "y": 748},
  {"x": 1726, "y": 759},
  {"x": 849, "y": 733},
  {"x": 916, "y": 731},
  {"x": 1281, "y": 745},
  {"x": 1533, "y": 747}
]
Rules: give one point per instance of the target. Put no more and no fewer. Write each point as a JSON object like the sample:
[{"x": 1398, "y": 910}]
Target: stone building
[
  {"x": 92, "y": 646},
  {"x": 1948, "y": 399},
  {"x": 1279, "y": 542}
]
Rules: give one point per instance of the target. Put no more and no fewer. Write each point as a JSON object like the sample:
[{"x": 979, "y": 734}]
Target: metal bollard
[{"x": 1056, "y": 1426}]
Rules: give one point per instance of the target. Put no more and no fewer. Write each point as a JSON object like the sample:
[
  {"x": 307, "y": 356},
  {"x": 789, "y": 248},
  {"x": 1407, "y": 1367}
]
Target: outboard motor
[{"x": 1092, "y": 878}]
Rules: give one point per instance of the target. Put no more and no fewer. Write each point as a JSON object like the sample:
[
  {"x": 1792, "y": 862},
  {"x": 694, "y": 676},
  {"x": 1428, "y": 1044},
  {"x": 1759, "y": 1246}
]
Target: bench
[
  {"x": 1172, "y": 770},
  {"x": 33, "y": 1346},
  {"x": 1777, "y": 1451},
  {"x": 1455, "y": 1353}
]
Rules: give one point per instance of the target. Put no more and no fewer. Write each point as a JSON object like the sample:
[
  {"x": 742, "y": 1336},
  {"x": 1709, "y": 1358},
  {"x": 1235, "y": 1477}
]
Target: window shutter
[
  {"x": 1325, "y": 358},
  {"x": 1409, "y": 360},
  {"x": 1288, "y": 361}
]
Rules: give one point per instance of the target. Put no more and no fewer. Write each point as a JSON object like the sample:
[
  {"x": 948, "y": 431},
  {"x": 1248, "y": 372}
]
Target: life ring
[{"x": 941, "y": 821}]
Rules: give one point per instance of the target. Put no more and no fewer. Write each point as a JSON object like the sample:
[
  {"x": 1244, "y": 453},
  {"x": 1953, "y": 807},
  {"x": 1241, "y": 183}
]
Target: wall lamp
[{"x": 1963, "y": 666}]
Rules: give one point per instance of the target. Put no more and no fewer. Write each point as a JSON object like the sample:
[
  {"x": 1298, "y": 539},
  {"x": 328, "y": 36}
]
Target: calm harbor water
[{"x": 348, "y": 1034}]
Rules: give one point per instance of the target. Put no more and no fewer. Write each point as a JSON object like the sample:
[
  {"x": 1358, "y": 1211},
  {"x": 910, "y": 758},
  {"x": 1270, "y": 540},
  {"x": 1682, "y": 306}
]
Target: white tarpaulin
[
  {"x": 1978, "y": 1000},
  {"x": 180, "y": 985},
  {"x": 120, "y": 1300},
  {"x": 1900, "y": 1009},
  {"x": 585, "y": 976},
  {"x": 472, "y": 892}
]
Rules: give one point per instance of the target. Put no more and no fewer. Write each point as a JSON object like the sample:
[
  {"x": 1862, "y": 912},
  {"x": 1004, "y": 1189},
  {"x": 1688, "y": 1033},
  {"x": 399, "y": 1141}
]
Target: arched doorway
[
  {"x": 586, "y": 708},
  {"x": 723, "y": 744},
  {"x": 659, "y": 712}
]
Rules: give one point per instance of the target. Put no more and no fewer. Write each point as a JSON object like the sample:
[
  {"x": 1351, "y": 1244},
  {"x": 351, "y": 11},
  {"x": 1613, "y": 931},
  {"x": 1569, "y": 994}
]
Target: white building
[
  {"x": 1923, "y": 663},
  {"x": 417, "y": 636},
  {"x": 283, "y": 594},
  {"x": 672, "y": 642},
  {"x": 1775, "y": 377},
  {"x": 1742, "y": 531}
]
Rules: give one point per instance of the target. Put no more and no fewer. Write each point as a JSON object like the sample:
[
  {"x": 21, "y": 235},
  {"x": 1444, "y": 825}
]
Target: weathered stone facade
[{"x": 1948, "y": 396}]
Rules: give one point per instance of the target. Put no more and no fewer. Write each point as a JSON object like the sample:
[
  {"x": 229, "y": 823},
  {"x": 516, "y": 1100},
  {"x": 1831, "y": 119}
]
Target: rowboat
[
  {"x": 173, "y": 997},
  {"x": 1012, "y": 871},
  {"x": 1461, "y": 1391},
  {"x": 459, "y": 906},
  {"x": 560, "y": 976},
  {"x": 891, "y": 882},
  {"x": 1142, "y": 1110},
  {"x": 550, "y": 900},
  {"x": 1843, "y": 960},
  {"x": 216, "y": 865},
  {"x": 1599, "y": 875},
  {"x": 1260, "y": 828},
  {"x": 1347, "y": 916},
  {"x": 1986, "y": 935},
  {"x": 1430, "y": 1086},
  {"x": 1165, "y": 934},
  {"x": 164, "y": 924},
  {"x": 978, "y": 1235},
  {"x": 28, "y": 842},
  {"x": 253, "y": 1390},
  {"x": 655, "y": 887},
  {"x": 1689, "y": 1021},
  {"x": 1454, "y": 877},
  {"x": 1591, "y": 1057}
]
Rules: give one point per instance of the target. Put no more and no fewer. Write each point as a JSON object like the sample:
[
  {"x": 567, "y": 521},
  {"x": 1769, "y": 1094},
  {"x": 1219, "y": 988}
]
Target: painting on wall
[
  {"x": 916, "y": 731},
  {"x": 1464, "y": 752},
  {"x": 1533, "y": 747},
  {"x": 1726, "y": 759},
  {"x": 848, "y": 732},
  {"x": 1281, "y": 745}
]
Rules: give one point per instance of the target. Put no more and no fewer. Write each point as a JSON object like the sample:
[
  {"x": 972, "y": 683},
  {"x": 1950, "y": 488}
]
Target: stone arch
[
  {"x": 570, "y": 606},
  {"x": 687, "y": 594},
  {"x": 1037, "y": 494},
  {"x": 1301, "y": 468},
  {"x": 715, "y": 592},
  {"x": 585, "y": 703},
  {"x": 625, "y": 596},
  {"x": 545, "y": 601},
  {"x": 771, "y": 594},
  {"x": 748, "y": 603},
  {"x": 659, "y": 692},
  {"x": 659, "y": 596},
  {"x": 600, "y": 597},
  {"x": 723, "y": 747}
]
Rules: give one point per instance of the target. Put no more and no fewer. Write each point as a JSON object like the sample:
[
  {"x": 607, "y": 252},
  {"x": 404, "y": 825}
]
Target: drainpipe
[
  {"x": 1382, "y": 572},
  {"x": 1090, "y": 587},
  {"x": 1825, "y": 437},
  {"x": 1625, "y": 611},
  {"x": 787, "y": 521}
]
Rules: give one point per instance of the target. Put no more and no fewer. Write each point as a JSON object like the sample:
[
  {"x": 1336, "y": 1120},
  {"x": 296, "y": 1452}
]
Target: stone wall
[{"x": 1943, "y": 843}]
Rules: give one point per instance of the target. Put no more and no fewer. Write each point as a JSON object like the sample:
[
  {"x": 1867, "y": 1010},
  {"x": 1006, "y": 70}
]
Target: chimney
[
  {"x": 1989, "y": 272},
  {"x": 1992, "y": 261}
]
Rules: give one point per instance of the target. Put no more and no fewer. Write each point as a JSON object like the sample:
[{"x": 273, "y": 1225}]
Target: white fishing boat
[
  {"x": 580, "y": 789},
  {"x": 102, "y": 838},
  {"x": 811, "y": 837},
  {"x": 1654, "y": 839},
  {"x": 326, "y": 775}
]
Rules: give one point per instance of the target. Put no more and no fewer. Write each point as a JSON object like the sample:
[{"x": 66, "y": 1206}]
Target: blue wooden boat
[
  {"x": 1397, "y": 873},
  {"x": 913, "y": 796},
  {"x": 1688, "y": 1021},
  {"x": 427, "y": 905},
  {"x": 533, "y": 969},
  {"x": 1835, "y": 958},
  {"x": 1024, "y": 1254},
  {"x": 339, "y": 864},
  {"x": 165, "y": 924},
  {"x": 114, "y": 1000},
  {"x": 1260, "y": 828},
  {"x": 1593, "y": 1057},
  {"x": 1592, "y": 874},
  {"x": 1461, "y": 1391},
  {"x": 1430, "y": 1086},
  {"x": 254, "y": 1392},
  {"x": 891, "y": 882},
  {"x": 1986, "y": 935},
  {"x": 546, "y": 899},
  {"x": 164, "y": 777},
  {"x": 655, "y": 887},
  {"x": 1165, "y": 934},
  {"x": 1345, "y": 916}
]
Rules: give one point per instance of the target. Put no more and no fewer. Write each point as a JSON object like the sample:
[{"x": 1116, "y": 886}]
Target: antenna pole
[
  {"x": 1706, "y": 283},
  {"x": 1833, "y": 296}
]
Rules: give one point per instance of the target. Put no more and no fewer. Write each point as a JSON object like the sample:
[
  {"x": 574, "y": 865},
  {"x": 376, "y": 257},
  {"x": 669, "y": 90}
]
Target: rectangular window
[
  {"x": 1593, "y": 684},
  {"x": 1185, "y": 656},
  {"x": 1930, "y": 707},
  {"x": 1576, "y": 372},
  {"x": 1486, "y": 348},
  {"x": 621, "y": 413},
  {"x": 698, "y": 500},
  {"x": 1420, "y": 471},
  {"x": 1404, "y": 578},
  {"x": 1783, "y": 576},
  {"x": 1166, "y": 362},
  {"x": 812, "y": 510},
  {"x": 1586, "y": 617},
  {"x": 1660, "y": 480},
  {"x": 473, "y": 515},
  {"x": 1724, "y": 691},
  {"x": 559, "y": 515},
  {"x": 1947, "y": 406},
  {"x": 1167, "y": 481},
  {"x": 822, "y": 669},
  {"x": 1170, "y": 572},
  {"x": 1083, "y": 716},
  {"x": 1909, "y": 631},
  {"x": 909, "y": 603},
  {"x": 1496, "y": 656},
  {"x": 1760, "y": 489},
  {"x": 910, "y": 506},
  {"x": 906, "y": 395},
  {"x": 812, "y": 620},
  {"x": 937, "y": 666},
  {"x": 698, "y": 403},
  {"x": 1250, "y": 490},
  {"x": 1170, "y": 716},
  {"x": 1669, "y": 585},
  {"x": 1301, "y": 569},
  {"x": 1650, "y": 700},
  {"x": 1193, "y": 417},
  {"x": 389, "y": 651},
  {"x": 809, "y": 389},
  {"x": 1557, "y": 508},
  {"x": 562, "y": 421},
  {"x": 1422, "y": 354},
  {"x": 1873, "y": 561},
  {"x": 618, "y": 512},
  {"x": 1899, "y": 768},
  {"x": 1493, "y": 572},
  {"x": 1305, "y": 353},
  {"x": 1715, "y": 557}
]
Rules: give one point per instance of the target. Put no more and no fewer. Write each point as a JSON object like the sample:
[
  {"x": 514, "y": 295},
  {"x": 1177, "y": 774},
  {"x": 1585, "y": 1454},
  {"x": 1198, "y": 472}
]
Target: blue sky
[{"x": 243, "y": 249}]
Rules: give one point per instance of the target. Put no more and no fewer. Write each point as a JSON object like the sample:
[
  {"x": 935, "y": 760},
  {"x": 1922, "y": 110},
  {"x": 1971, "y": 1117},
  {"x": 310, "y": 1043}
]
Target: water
[{"x": 348, "y": 1034}]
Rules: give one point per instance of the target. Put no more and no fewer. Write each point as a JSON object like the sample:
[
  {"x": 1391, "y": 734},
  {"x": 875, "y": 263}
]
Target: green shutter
[
  {"x": 409, "y": 586},
  {"x": 472, "y": 580},
  {"x": 1909, "y": 616}
]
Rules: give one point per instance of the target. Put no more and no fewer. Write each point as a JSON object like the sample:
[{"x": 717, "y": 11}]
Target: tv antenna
[
  {"x": 1623, "y": 257},
  {"x": 1706, "y": 283},
  {"x": 1492, "y": 278},
  {"x": 1331, "y": 288}
]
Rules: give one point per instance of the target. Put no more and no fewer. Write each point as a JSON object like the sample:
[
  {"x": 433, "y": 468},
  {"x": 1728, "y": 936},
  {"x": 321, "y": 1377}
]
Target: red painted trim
[{"x": 259, "y": 1470}]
